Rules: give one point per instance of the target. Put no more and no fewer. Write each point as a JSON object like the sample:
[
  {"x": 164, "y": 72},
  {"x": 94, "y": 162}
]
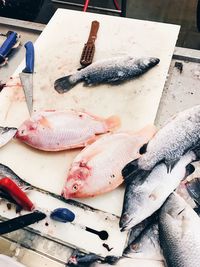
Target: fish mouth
[
  {"x": 125, "y": 226},
  {"x": 66, "y": 194}
]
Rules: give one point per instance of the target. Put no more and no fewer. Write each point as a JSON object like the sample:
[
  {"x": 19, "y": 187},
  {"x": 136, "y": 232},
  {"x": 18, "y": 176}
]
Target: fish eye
[{"x": 75, "y": 187}]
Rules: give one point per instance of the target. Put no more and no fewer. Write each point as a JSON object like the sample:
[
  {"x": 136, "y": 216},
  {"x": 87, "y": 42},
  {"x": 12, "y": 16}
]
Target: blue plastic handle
[
  {"x": 62, "y": 215},
  {"x": 8, "y": 44},
  {"x": 29, "y": 57}
]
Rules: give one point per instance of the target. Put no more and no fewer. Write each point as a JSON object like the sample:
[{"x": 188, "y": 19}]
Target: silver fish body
[
  {"x": 112, "y": 70},
  {"x": 146, "y": 246},
  {"x": 170, "y": 142},
  {"x": 6, "y": 134},
  {"x": 179, "y": 233},
  {"x": 146, "y": 193}
]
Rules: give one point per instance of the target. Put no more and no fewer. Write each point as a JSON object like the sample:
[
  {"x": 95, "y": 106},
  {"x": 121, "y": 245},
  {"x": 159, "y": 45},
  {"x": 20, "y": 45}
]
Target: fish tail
[
  {"x": 113, "y": 122},
  {"x": 64, "y": 84},
  {"x": 148, "y": 131},
  {"x": 193, "y": 188}
]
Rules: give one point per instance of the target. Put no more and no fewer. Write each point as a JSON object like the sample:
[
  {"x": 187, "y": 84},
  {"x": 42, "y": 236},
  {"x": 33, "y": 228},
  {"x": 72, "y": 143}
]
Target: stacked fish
[{"x": 159, "y": 217}]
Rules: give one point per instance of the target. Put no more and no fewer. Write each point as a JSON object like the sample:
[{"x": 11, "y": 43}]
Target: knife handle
[
  {"x": 93, "y": 31},
  {"x": 29, "y": 57},
  {"x": 7, "y": 45}
]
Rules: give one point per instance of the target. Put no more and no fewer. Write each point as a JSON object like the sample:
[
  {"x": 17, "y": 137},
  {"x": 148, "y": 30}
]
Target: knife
[
  {"x": 8, "y": 44},
  {"x": 21, "y": 222},
  {"x": 26, "y": 76}
]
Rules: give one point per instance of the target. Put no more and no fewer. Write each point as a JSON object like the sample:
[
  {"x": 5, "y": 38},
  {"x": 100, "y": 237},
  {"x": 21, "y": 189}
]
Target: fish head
[
  {"x": 81, "y": 259},
  {"x": 146, "y": 63},
  {"x": 26, "y": 130},
  {"x": 132, "y": 214},
  {"x": 77, "y": 181}
]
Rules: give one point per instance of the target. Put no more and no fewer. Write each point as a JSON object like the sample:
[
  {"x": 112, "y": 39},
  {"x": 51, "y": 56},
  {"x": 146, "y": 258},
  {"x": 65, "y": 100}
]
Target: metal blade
[{"x": 27, "y": 84}]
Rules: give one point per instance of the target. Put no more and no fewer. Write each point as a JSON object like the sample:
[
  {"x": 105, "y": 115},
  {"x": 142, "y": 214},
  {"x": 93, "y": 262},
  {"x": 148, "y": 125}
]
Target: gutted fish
[
  {"x": 6, "y": 261},
  {"x": 169, "y": 143},
  {"x": 112, "y": 70},
  {"x": 179, "y": 233},
  {"x": 97, "y": 168},
  {"x": 146, "y": 246},
  {"x": 60, "y": 130},
  {"x": 146, "y": 193},
  {"x": 6, "y": 134}
]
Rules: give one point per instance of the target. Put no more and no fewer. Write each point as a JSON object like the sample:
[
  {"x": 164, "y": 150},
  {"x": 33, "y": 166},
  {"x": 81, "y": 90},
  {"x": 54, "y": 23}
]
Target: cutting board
[{"x": 57, "y": 53}]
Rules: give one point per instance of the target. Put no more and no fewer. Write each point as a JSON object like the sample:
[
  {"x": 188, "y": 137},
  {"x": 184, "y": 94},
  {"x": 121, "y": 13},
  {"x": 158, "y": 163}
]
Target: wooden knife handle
[{"x": 93, "y": 31}]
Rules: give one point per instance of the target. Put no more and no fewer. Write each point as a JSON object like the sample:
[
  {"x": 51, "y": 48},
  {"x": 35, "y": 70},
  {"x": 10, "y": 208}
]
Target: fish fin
[
  {"x": 43, "y": 121},
  {"x": 148, "y": 131},
  {"x": 63, "y": 84},
  {"x": 193, "y": 188},
  {"x": 113, "y": 122},
  {"x": 91, "y": 140},
  {"x": 130, "y": 168},
  {"x": 170, "y": 165},
  {"x": 189, "y": 170},
  {"x": 143, "y": 149}
]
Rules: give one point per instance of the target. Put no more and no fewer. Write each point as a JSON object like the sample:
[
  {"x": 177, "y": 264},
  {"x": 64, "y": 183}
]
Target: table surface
[{"x": 181, "y": 91}]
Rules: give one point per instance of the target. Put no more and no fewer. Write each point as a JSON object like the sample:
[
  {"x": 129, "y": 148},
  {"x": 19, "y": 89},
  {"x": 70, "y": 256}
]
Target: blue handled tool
[
  {"x": 8, "y": 44},
  {"x": 62, "y": 215},
  {"x": 26, "y": 75}
]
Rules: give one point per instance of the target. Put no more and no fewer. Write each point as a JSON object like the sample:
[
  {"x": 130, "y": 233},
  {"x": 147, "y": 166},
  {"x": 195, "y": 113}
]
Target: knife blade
[
  {"x": 21, "y": 222},
  {"x": 26, "y": 76}
]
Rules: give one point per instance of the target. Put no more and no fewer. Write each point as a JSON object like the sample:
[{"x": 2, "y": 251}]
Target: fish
[
  {"x": 146, "y": 193},
  {"x": 62, "y": 130},
  {"x": 179, "y": 233},
  {"x": 113, "y": 70},
  {"x": 146, "y": 246},
  {"x": 6, "y": 261},
  {"x": 6, "y": 134},
  {"x": 97, "y": 168},
  {"x": 81, "y": 259},
  {"x": 173, "y": 140}
]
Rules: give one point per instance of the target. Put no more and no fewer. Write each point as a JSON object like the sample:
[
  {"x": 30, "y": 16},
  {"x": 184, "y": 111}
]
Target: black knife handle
[{"x": 21, "y": 222}]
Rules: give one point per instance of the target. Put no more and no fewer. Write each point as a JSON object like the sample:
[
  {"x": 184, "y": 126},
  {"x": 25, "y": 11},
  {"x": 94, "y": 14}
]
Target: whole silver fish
[
  {"x": 179, "y": 233},
  {"x": 169, "y": 143},
  {"x": 146, "y": 246},
  {"x": 146, "y": 193},
  {"x": 112, "y": 70},
  {"x": 6, "y": 134}
]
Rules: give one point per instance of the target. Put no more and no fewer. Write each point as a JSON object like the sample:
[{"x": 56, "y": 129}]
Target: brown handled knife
[{"x": 89, "y": 47}]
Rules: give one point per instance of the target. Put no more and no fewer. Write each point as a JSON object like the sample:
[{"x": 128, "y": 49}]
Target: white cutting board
[{"x": 57, "y": 53}]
